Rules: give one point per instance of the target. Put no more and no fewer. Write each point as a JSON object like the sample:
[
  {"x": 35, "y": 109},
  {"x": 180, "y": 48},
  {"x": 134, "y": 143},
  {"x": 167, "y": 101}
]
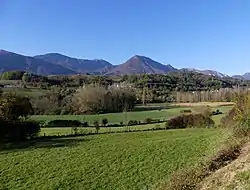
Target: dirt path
[{"x": 225, "y": 178}]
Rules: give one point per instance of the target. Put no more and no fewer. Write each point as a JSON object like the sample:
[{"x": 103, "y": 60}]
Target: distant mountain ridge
[
  {"x": 11, "y": 61},
  {"x": 59, "y": 64},
  {"x": 207, "y": 72},
  {"x": 78, "y": 65},
  {"x": 245, "y": 76}
]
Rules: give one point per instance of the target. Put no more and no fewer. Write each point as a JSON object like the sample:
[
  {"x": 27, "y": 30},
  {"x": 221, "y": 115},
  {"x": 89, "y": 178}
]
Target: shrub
[
  {"x": 148, "y": 120},
  {"x": 132, "y": 122},
  {"x": 29, "y": 129},
  {"x": 104, "y": 122},
  {"x": 96, "y": 125},
  {"x": 217, "y": 112},
  {"x": 121, "y": 123},
  {"x": 186, "y": 111},
  {"x": 18, "y": 130},
  {"x": 85, "y": 124},
  {"x": 64, "y": 123},
  {"x": 191, "y": 120}
]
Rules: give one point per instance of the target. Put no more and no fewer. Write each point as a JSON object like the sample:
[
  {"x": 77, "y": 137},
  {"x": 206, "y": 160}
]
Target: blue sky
[{"x": 202, "y": 34}]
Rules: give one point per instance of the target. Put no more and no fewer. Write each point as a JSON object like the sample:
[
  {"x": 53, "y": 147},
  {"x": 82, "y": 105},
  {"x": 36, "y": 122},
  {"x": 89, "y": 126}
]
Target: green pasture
[
  {"x": 116, "y": 118},
  {"x": 108, "y": 161}
]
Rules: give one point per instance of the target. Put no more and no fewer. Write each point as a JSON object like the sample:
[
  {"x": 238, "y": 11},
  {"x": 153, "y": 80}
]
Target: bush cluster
[
  {"x": 133, "y": 122},
  {"x": 148, "y": 120},
  {"x": 191, "y": 120},
  {"x": 217, "y": 112},
  {"x": 16, "y": 131},
  {"x": 186, "y": 111},
  {"x": 14, "y": 126},
  {"x": 65, "y": 123}
]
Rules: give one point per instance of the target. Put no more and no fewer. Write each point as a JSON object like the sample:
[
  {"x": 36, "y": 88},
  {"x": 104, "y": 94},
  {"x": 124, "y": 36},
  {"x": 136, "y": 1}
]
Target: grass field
[
  {"x": 111, "y": 161},
  {"x": 59, "y": 131},
  {"x": 116, "y": 118}
]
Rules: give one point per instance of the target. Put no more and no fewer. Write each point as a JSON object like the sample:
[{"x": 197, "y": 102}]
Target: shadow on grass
[{"x": 41, "y": 143}]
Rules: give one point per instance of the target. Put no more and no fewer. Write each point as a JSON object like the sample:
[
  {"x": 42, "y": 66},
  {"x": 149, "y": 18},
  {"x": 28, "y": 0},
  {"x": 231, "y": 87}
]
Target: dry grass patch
[{"x": 211, "y": 104}]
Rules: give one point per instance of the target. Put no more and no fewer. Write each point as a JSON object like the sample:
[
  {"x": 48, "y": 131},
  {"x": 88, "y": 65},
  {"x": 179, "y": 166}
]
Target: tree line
[
  {"x": 88, "y": 99},
  {"x": 147, "y": 88}
]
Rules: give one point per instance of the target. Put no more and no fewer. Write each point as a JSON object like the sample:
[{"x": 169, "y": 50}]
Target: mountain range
[{"x": 58, "y": 64}]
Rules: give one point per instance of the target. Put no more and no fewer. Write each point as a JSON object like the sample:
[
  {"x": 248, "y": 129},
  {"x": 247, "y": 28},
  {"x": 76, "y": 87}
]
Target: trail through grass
[{"x": 113, "y": 161}]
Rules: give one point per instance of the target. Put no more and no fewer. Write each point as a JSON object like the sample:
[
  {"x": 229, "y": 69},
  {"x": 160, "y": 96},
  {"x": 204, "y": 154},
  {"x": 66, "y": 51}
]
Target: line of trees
[
  {"x": 172, "y": 87},
  {"x": 98, "y": 99},
  {"x": 223, "y": 94}
]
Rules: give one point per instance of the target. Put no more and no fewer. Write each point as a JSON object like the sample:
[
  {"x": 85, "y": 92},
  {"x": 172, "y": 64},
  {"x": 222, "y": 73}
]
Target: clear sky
[{"x": 202, "y": 34}]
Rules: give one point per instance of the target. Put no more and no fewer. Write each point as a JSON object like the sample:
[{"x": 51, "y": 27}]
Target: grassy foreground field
[
  {"x": 113, "y": 161},
  {"x": 116, "y": 118}
]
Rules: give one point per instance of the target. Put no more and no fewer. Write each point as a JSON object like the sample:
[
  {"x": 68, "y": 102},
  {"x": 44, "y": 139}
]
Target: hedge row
[
  {"x": 76, "y": 123},
  {"x": 190, "y": 120}
]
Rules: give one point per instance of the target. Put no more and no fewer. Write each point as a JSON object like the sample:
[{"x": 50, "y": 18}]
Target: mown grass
[
  {"x": 116, "y": 118},
  {"x": 112, "y": 161}
]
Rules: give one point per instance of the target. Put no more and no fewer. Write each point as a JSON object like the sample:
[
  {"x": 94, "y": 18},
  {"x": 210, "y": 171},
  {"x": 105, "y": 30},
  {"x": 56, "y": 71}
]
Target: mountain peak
[
  {"x": 140, "y": 65},
  {"x": 140, "y": 57},
  {"x": 4, "y": 52}
]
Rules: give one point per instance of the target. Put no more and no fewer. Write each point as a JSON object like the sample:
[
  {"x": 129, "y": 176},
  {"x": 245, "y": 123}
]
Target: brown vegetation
[{"x": 89, "y": 99}]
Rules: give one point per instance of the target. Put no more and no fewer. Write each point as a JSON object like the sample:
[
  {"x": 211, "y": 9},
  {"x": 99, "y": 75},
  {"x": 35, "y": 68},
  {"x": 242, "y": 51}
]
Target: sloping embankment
[{"x": 227, "y": 177}]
